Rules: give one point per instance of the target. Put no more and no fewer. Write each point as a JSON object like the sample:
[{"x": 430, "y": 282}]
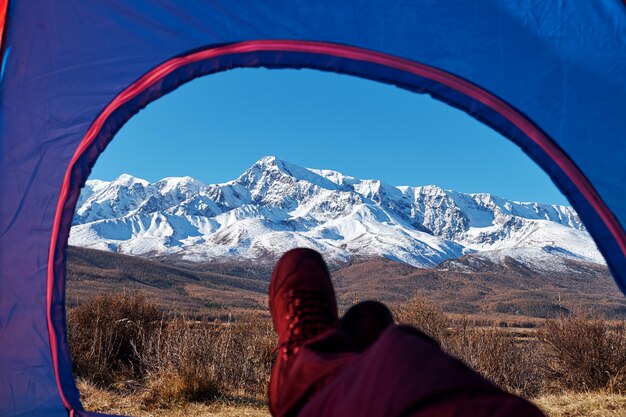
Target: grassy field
[
  {"x": 176, "y": 341},
  {"x": 109, "y": 402},
  {"x": 585, "y": 404},
  {"x": 131, "y": 359}
]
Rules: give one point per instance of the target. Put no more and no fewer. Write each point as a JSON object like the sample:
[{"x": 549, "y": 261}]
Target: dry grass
[
  {"x": 583, "y": 404},
  {"x": 583, "y": 352},
  {"x": 572, "y": 353},
  {"x": 109, "y": 402},
  {"x": 494, "y": 352},
  {"x": 124, "y": 344},
  {"x": 133, "y": 360},
  {"x": 598, "y": 404},
  {"x": 106, "y": 335},
  {"x": 425, "y": 316},
  {"x": 497, "y": 355}
]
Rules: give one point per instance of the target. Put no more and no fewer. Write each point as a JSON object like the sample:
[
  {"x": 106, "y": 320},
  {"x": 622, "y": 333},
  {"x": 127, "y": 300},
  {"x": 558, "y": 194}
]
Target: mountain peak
[
  {"x": 168, "y": 184},
  {"x": 127, "y": 180},
  {"x": 273, "y": 163},
  {"x": 271, "y": 168},
  {"x": 267, "y": 164},
  {"x": 268, "y": 160}
]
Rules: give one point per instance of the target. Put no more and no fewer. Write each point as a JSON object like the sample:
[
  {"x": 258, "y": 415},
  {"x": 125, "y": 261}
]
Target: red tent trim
[
  {"x": 322, "y": 48},
  {"x": 4, "y": 4}
]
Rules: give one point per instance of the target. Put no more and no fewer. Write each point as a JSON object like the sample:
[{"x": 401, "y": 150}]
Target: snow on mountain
[{"x": 274, "y": 206}]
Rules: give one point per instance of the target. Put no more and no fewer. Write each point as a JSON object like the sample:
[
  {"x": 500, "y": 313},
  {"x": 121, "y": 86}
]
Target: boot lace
[{"x": 308, "y": 315}]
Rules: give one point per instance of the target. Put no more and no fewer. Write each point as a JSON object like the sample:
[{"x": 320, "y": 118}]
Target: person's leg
[
  {"x": 311, "y": 349},
  {"x": 405, "y": 373},
  {"x": 318, "y": 371}
]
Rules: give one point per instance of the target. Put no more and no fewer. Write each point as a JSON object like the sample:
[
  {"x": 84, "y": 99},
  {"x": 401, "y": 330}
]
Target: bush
[
  {"x": 585, "y": 353},
  {"x": 199, "y": 361},
  {"x": 107, "y": 335},
  {"x": 245, "y": 353},
  {"x": 423, "y": 315},
  {"x": 495, "y": 353},
  {"x": 178, "y": 363},
  {"x": 123, "y": 342},
  {"x": 513, "y": 365}
]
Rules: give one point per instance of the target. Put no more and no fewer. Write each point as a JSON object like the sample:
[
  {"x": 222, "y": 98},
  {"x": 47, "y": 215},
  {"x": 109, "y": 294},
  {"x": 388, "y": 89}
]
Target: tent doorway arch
[{"x": 296, "y": 54}]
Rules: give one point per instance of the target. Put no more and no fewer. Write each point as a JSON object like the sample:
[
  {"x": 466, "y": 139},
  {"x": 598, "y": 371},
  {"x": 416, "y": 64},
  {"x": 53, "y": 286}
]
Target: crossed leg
[{"x": 323, "y": 369}]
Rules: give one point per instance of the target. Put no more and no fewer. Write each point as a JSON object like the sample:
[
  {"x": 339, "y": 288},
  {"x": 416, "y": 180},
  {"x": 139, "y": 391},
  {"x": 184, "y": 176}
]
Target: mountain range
[{"x": 275, "y": 205}]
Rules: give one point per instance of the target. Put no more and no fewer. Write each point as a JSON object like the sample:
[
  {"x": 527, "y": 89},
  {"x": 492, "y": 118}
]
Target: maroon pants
[{"x": 404, "y": 373}]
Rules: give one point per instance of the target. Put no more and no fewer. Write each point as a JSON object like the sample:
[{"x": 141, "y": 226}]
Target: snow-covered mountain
[{"x": 274, "y": 206}]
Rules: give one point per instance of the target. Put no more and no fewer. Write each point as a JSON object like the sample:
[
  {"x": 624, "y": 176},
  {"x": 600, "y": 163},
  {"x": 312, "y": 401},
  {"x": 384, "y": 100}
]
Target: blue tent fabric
[{"x": 557, "y": 69}]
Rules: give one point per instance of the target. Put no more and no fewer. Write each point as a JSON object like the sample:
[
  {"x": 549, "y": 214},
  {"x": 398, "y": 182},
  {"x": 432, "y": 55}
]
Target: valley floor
[
  {"x": 588, "y": 404},
  {"x": 104, "y": 401},
  {"x": 186, "y": 320},
  {"x": 591, "y": 404}
]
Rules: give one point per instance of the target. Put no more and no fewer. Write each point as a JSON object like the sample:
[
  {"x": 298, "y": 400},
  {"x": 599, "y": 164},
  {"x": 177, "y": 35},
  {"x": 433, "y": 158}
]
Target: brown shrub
[
  {"x": 179, "y": 365},
  {"x": 494, "y": 353},
  {"x": 200, "y": 361},
  {"x": 584, "y": 353},
  {"x": 106, "y": 335},
  {"x": 497, "y": 355},
  {"x": 125, "y": 343},
  {"x": 423, "y": 315},
  {"x": 244, "y": 352}
]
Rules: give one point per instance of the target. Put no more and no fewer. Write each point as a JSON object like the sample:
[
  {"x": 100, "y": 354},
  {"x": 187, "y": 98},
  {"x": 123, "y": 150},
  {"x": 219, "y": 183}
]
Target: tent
[{"x": 550, "y": 76}]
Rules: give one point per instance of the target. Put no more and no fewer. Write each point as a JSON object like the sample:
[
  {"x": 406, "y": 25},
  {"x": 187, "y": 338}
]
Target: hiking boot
[
  {"x": 303, "y": 306},
  {"x": 365, "y": 322}
]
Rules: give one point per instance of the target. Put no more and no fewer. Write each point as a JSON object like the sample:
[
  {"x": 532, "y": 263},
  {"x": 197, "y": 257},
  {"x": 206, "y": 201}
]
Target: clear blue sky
[{"x": 215, "y": 127}]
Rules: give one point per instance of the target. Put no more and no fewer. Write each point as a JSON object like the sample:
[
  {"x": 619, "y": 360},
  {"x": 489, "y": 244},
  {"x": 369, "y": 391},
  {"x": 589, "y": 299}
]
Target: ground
[{"x": 593, "y": 404}]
